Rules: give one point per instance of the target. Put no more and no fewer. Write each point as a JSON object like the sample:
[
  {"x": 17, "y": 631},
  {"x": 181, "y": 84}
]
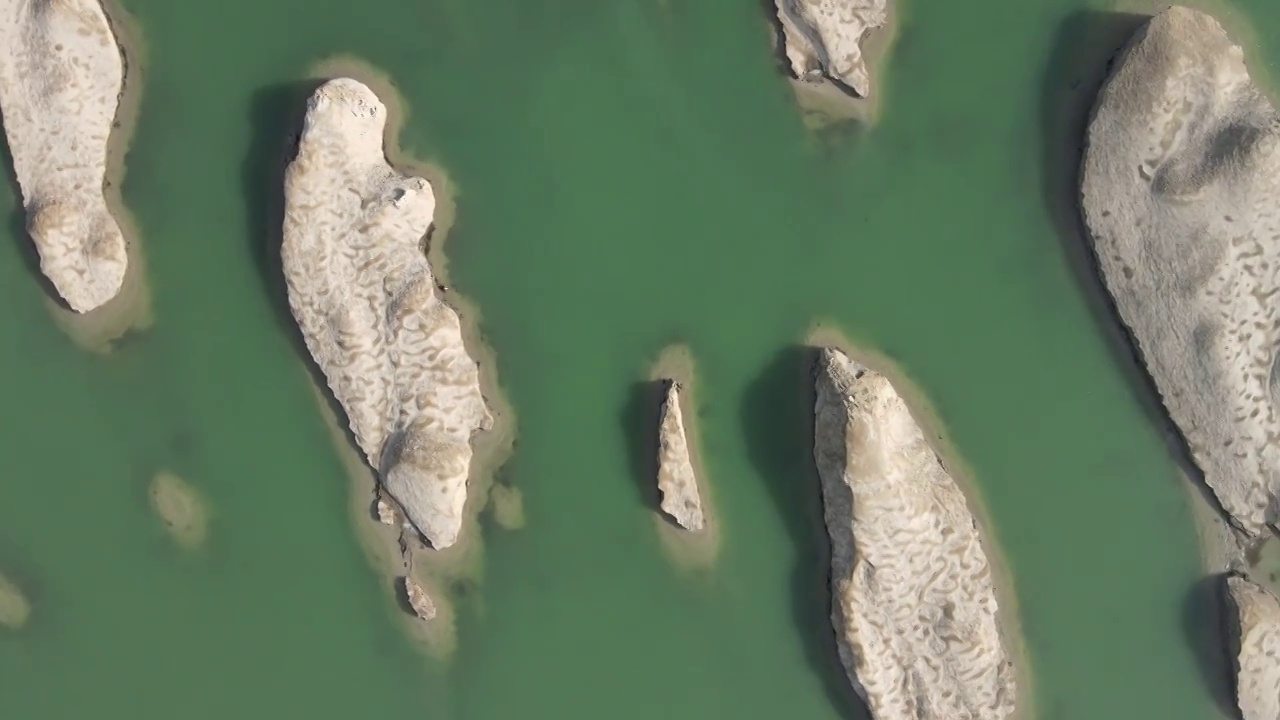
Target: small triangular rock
[{"x": 676, "y": 478}]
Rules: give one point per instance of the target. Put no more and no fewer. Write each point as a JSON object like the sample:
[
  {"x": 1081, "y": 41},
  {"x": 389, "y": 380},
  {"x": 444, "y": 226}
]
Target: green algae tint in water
[{"x": 631, "y": 173}]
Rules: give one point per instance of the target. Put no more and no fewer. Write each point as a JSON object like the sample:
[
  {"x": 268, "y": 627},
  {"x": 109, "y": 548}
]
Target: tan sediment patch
[
  {"x": 394, "y": 551},
  {"x": 14, "y": 608},
  {"x": 181, "y": 509},
  {"x": 689, "y": 550},
  {"x": 507, "y": 506},
  {"x": 826, "y": 334}
]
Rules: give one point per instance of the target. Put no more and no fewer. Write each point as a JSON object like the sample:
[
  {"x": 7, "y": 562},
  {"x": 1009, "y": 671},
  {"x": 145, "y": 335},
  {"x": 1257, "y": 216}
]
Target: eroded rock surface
[
  {"x": 913, "y": 597},
  {"x": 1257, "y": 620},
  {"x": 1181, "y": 194},
  {"x": 365, "y": 298},
  {"x": 61, "y": 74},
  {"x": 824, "y": 37},
  {"x": 418, "y": 599},
  {"x": 677, "y": 480}
]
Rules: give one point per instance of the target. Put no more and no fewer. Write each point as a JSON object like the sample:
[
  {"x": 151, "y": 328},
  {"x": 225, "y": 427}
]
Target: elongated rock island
[
  {"x": 1181, "y": 195},
  {"x": 365, "y": 299},
  {"x": 677, "y": 480},
  {"x": 823, "y": 38},
  {"x": 1256, "y": 620},
  {"x": 61, "y": 74},
  {"x": 913, "y": 596}
]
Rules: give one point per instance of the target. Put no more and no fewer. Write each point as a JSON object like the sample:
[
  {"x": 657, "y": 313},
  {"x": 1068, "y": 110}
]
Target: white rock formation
[
  {"x": 386, "y": 513},
  {"x": 419, "y": 600},
  {"x": 1181, "y": 194},
  {"x": 825, "y": 37},
  {"x": 365, "y": 298},
  {"x": 913, "y": 598},
  {"x": 61, "y": 74},
  {"x": 1256, "y": 616},
  {"x": 676, "y": 479}
]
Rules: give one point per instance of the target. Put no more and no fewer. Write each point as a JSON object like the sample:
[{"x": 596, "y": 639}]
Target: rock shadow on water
[
  {"x": 778, "y": 425},
  {"x": 1083, "y": 54},
  {"x": 1084, "y": 51},
  {"x": 1206, "y": 627},
  {"x": 275, "y": 116},
  {"x": 640, "y": 418},
  {"x": 18, "y": 231}
]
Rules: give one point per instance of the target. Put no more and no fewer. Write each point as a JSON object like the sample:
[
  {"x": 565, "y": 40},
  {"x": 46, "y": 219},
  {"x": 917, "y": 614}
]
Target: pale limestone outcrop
[
  {"x": 1181, "y": 194},
  {"x": 913, "y": 596},
  {"x": 365, "y": 299},
  {"x": 824, "y": 37},
  {"x": 418, "y": 599},
  {"x": 677, "y": 481},
  {"x": 1256, "y": 617},
  {"x": 61, "y": 74}
]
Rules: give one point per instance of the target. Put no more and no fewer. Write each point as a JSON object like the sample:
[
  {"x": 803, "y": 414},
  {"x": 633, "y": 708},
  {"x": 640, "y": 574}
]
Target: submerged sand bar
[
  {"x": 14, "y": 607},
  {"x": 61, "y": 75},
  {"x": 913, "y": 595},
  {"x": 365, "y": 298}
]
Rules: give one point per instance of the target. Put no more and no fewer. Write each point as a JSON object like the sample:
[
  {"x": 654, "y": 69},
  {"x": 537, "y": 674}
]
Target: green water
[{"x": 632, "y": 172}]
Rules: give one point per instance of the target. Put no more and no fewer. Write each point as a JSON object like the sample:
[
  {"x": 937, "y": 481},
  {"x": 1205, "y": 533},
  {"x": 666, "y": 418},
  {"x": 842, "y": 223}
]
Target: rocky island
[
  {"x": 1180, "y": 195},
  {"x": 365, "y": 298},
  {"x": 677, "y": 481},
  {"x": 1255, "y": 617},
  {"x": 831, "y": 49},
  {"x": 61, "y": 77},
  {"x": 913, "y": 596}
]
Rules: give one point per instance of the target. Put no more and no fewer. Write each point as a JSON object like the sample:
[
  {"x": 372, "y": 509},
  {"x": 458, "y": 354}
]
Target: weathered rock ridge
[
  {"x": 1181, "y": 194},
  {"x": 913, "y": 596},
  {"x": 677, "y": 480},
  {"x": 824, "y": 37},
  {"x": 365, "y": 299},
  {"x": 61, "y": 74},
  {"x": 1257, "y": 650}
]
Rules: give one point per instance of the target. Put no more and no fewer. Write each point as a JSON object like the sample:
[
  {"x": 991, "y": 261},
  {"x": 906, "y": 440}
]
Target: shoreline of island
[
  {"x": 691, "y": 550},
  {"x": 823, "y": 333},
  {"x": 130, "y": 309},
  {"x": 393, "y": 552}
]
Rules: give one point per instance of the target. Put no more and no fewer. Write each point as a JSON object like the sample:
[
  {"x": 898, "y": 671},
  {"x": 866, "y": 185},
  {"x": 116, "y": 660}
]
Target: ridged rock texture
[
  {"x": 61, "y": 74},
  {"x": 1181, "y": 195},
  {"x": 365, "y": 299},
  {"x": 676, "y": 478},
  {"x": 825, "y": 37},
  {"x": 913, "y": 597},
  {"x": 1257, "y": 620}
]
